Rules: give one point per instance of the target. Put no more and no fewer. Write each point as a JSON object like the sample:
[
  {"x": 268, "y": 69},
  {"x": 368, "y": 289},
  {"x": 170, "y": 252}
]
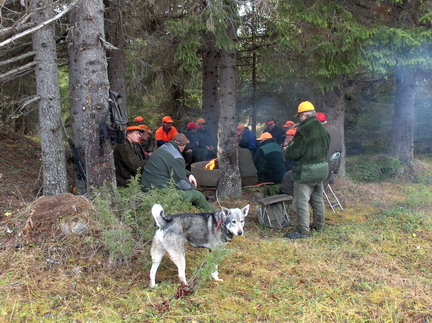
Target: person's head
[
  {"x": 139, "y": 119},
  {"x": 305, "y": 110},
  {"x": 202, "y": 123},
  {"x": 240, "y": 129},
  {"x": 288, "y": 124},
  {"x": 192, "y": 126},
  {"x": 145, "y": 132},
  {"x": 264, "y": 136},
  {"x": 181, "y": 141},
  {"x": 271, "y": 123},
  {"x": 289, "y": 135},
  {"x": 321, "y": 117},
  {"x": 167, "y": 122},
  {"x": 133, "y": 132}
]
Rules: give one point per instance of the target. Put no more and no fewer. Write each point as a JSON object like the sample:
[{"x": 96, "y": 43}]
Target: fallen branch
[
  {"x": 17, "y": 70},
  {"x": 15, "y": 59},
  {"x": 40, "y": 26}
]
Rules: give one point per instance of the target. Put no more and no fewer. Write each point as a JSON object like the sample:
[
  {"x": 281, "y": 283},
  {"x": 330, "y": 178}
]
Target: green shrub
[
  {"x": 124, "y": 214},
  {"x": 367, "y": 168}
]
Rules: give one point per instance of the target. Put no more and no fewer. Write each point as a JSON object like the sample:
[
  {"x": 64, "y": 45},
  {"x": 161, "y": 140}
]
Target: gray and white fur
[{"x": 202, "y": 230}]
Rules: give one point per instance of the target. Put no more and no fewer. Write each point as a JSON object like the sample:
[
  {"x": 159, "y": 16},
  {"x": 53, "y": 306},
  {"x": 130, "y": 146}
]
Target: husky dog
[{"x": 203, "y": 230}]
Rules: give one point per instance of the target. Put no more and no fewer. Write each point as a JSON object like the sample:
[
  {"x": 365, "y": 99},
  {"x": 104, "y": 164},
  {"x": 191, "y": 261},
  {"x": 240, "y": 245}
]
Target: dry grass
[{"x": 371, "y": 264}]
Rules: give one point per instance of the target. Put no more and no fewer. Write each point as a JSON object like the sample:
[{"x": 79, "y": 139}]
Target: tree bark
[
  {"x": 229, "y": 184},
  {"x": 89, "y": 91},
  {"x": 51, "y": 132},
  {"x": 116, "y": 60},
  {"x": 402, "y": 138},
  {"x": 334, "y": 108},
  {"x": 210, "y": 98}
]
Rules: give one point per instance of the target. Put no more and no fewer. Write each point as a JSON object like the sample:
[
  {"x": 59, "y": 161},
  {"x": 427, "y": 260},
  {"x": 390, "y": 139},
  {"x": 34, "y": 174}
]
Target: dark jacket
[
  {"x": 127, "y": 159},
  {"x": 248, "y": 140},
  {"x": 165, "y": 162},
  {"x": 308, "y": 151},
  {"x": 277, "y": 133},
  {"x": 269, "y": 161}
]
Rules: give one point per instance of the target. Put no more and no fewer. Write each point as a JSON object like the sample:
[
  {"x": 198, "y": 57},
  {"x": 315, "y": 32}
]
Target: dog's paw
[{"x": 215, "y": 276}]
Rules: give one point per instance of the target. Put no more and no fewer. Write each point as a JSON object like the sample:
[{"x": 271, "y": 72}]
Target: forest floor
[{"x": 372, "y": 263}]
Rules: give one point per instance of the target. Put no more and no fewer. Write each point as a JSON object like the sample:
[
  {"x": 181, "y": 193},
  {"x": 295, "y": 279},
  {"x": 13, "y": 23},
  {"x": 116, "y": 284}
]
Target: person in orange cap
[
  {"x": 147, "y": 137},
  {"x": 166, "y": 132},
  {"x": 289, "y": 124},
  {"x": 277, "y": 133},
  {"x": 129, "y": 156},
  {"x": 269, "y": 160},
  {"x": 247, "y": 138}
]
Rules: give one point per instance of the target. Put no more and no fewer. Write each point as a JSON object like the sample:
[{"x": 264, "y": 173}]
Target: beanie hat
[
  {"x": 321, "y": 116},
  {"x": 192, "y": 125},
  {"x": 265, "y": 136}
]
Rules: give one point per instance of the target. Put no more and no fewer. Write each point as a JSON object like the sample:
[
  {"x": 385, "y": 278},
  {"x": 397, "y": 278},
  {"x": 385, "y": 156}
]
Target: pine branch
[{"x": 17, "y": 71}]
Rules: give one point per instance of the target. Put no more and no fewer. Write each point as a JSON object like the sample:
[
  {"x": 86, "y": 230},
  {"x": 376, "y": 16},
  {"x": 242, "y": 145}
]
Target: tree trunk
[
  {"x": 402, "y": 139},
  {"x": 210, "y": 99},
  {"x": 229, "y": 184},
  {"x": 51, "y": 132},
  {"x": 116, "y": 60},
  {"x": 334, "y": 108},
  {"x": 89, "y": 91}
]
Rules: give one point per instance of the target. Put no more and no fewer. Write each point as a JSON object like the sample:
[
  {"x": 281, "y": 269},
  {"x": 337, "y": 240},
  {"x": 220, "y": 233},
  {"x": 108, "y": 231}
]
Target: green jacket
[
  {"x": 165, "y": 162},
  {"x": 308, "y": 151},
  {"x": 269, "y": 161},
  {"x": 127, "y": 160}
]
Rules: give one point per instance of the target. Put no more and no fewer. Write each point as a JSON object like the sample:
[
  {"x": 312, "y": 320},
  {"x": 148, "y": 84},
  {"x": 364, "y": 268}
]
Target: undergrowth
[
  {"x": 370, "y": 264},
  {"x": 125, "y": 215}
]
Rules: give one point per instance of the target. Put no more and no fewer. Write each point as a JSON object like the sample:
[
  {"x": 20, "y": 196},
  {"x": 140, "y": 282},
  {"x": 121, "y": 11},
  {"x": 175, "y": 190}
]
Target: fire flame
[{"x": 212, "y": 164}]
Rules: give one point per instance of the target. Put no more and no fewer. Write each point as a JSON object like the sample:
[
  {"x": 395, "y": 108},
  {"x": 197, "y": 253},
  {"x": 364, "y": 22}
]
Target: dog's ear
[
  {"x": 245, "y": 210},
  {"x": 225, "y": 211}
]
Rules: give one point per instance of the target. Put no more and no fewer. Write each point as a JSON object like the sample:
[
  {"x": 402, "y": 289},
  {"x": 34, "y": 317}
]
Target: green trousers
[
  {"x": 198, "y": 199},
  {"x": 305, "y": 194}
]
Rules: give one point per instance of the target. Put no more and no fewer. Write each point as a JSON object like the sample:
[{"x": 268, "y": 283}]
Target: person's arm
[{"x": 296, "y": 148}]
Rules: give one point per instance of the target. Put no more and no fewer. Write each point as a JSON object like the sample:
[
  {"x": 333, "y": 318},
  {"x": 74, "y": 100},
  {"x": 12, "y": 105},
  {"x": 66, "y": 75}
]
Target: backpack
[{"x": 114, "y": 127}]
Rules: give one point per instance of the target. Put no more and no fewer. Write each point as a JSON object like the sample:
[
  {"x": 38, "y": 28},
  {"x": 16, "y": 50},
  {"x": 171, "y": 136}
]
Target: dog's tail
[{"x": 158, "y": 215}]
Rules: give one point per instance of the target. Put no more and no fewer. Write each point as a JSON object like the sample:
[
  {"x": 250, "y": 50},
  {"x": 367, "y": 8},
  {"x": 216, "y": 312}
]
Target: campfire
[{"x": 212, "y": 164}]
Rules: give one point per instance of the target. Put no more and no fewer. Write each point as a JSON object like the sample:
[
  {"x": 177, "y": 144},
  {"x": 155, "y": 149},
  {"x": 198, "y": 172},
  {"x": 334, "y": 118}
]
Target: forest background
[{"x": 364, "y": 63}]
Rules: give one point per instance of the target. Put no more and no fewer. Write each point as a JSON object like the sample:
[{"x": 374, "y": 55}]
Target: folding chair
[
  {"x": 273, "y": 211},
  {"x": 331, "y": 197}
]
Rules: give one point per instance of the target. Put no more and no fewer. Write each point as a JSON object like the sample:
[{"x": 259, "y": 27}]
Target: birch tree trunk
[
  {"x": 402, "y": 136},
  {"x": 229, "y": 184},
  {"x": 51, "y": 132},
  {"x": 334, "y": 108},
  {"x": 89, "y": 91}
]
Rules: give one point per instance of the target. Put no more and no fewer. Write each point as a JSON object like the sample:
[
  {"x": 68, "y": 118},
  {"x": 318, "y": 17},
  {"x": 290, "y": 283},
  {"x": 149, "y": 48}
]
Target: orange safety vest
[{"x": 167, "y": 137}]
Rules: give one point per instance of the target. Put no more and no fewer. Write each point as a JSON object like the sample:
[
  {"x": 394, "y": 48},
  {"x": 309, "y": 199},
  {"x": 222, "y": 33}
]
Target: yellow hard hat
[{"x": 305, "y": 106}]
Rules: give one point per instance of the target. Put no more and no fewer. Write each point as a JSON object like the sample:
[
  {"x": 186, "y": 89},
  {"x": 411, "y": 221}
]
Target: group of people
[
  {"x": 161, "y": 157},
  {"x": 295, "y": 155}
]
